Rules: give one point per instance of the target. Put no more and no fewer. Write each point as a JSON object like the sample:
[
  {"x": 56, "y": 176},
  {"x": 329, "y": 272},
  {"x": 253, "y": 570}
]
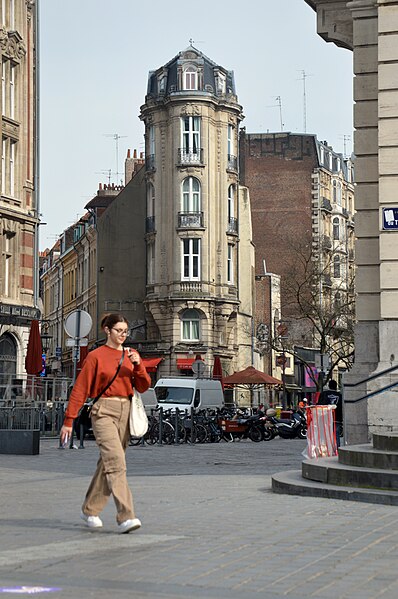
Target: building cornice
[{"x": 334, "y": 21}]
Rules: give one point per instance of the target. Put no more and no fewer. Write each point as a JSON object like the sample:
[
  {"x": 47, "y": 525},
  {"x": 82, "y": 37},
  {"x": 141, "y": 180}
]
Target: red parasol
[
  {"x": 217, "y": 370},
  {"x": 251, "y": 376},
  {"x": 33, "y": 360}
]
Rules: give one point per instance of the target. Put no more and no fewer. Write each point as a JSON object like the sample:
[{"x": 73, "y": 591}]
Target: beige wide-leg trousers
[{"x": 110, "y": 421}]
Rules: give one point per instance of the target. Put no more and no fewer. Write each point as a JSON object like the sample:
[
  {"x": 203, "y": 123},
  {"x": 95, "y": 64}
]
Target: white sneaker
[
  {"x": 91, "y": 521},
  {"x": 127, "y": 525}
]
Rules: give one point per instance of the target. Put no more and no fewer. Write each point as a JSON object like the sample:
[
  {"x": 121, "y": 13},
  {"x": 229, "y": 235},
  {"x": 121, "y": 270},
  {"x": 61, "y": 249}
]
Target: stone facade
[
  {"x": 199, "y": 297},
  {"x": 19, "y": 211},
  {"x": 370, "y": 29}
]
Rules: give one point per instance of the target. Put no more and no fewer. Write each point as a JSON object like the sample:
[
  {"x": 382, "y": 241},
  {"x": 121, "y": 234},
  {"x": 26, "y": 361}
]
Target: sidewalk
[{"x": 212, "y": 529}]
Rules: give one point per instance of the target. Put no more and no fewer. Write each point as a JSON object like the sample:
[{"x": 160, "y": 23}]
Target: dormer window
[
  {"x": 221, "y": 83},
  {"x": 190, "y": 78}
]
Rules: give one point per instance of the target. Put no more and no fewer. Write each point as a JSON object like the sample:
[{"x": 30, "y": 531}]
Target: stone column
[
  {"x": 383, "y": 408},
  {"x": 367, "y": 255}
]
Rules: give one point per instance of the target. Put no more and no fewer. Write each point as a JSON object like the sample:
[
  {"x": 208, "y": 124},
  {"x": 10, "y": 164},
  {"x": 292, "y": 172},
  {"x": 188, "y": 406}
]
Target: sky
[{"x": 95, "y": 56}]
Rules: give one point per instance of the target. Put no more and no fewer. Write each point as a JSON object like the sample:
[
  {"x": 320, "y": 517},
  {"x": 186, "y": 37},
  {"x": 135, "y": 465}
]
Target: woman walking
[{"x": 110, "y": 420}]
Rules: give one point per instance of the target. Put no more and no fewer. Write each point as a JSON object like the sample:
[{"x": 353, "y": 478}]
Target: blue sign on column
[{"x": 390, "y": 219}]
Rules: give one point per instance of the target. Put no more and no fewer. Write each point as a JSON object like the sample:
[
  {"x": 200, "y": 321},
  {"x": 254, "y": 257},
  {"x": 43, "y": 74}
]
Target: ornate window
[
  {"x": 151, "y": 263},
  {"x": 336, "y": 267},
  {"x": 230, "y": 264},
  {"x": 191, "y": 195},
  {"x": 191, "y": 259},
  {"x": 190, "y": 325},
  {"x": 150, "y": 209},
  {"x": 190, "y": 78},
  {"x": 190, "y": 134},
  {"x": 336, "y": 229}
]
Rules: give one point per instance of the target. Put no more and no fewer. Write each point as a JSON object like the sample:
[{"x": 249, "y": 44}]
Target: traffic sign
[{"x": 78, "y": 324}]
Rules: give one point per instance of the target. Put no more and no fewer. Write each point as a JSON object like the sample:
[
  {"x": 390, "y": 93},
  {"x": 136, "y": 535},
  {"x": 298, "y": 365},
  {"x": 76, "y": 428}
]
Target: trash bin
[{"x": 321, "y": 432}]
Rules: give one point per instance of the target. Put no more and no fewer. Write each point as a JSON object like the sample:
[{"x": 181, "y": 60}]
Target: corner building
[
  {"x": 200, "y": 257},
  {"x": 19, "y": 210}
]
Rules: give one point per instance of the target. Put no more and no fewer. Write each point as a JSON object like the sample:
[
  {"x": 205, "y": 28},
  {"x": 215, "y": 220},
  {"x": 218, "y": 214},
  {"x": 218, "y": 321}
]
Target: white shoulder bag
[{"x": 138, "y": 417}]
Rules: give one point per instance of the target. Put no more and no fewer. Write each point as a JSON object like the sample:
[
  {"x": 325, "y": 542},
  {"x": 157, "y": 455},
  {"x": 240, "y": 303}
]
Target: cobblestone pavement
[{"x": 212, "y": 528}]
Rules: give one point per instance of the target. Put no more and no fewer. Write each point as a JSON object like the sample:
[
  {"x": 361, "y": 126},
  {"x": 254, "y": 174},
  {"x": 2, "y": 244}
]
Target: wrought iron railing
[
  {"x": 190, "y": 220},
  {"x": 232, "y": 225},
  {"x": 232, "y": 162},
  {"x": 190, "y": 156}
]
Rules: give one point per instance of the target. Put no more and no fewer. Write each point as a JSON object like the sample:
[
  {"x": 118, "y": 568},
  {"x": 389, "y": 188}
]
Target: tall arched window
[
  {"x": 8, "y": 354},
  {"x": 190, "y": 325},
  {"x": 231, "y": 202},
  {"x": 336, "y": 229},
  {"x": 336, "y": 267},
  {"x": 190, "y": 78},
  {"x": 191, "y": 195},
  {"x": 150, "y": 208}
]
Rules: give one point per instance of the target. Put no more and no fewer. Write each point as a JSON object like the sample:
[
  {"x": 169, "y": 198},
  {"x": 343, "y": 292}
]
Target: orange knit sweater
[{"x": 98, "y": 370}]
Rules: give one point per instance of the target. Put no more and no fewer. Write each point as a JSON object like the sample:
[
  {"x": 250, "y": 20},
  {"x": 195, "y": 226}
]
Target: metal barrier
[{"x": 38, "y": 416}]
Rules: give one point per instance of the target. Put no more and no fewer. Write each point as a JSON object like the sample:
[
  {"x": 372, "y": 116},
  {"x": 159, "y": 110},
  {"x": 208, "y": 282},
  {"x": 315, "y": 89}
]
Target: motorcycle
[
  {"x": 287, "y": 428},
  {"x": 242, "y": 426}
]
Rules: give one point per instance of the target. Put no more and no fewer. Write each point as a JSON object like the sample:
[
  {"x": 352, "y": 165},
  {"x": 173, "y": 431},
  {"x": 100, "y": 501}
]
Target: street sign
[
  {"x": 58, "y": 352},
  {"x": 390, "y": 219},
  {"x": 78, "y": 324}
]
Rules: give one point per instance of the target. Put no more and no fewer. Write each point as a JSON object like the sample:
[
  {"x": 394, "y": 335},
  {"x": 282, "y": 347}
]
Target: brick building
[{"x": 301, "y": 194}]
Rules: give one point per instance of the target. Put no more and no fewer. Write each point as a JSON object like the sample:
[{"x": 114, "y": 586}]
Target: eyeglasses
[{"x": 124, "y": 332}]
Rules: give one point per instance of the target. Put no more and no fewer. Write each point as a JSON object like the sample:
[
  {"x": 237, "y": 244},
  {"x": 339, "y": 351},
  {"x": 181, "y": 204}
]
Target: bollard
[
  {"x": 160, "y": 426},
  {"x": 176, "y": 418},
  {"x": 193, "y": 429}
]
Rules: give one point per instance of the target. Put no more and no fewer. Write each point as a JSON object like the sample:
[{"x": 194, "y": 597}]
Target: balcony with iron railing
[
  {"x": 150, "y": 224},
  {"x": 326, "y": 205},
  {"x": 190, "y": 156},
  {"x": 327, "y": 280},
  {"x": 232, "y": 226},
  {"x": 326, "y": 242},
  {"x": 232, "y": 162},
  {"x": 150, "y": 162},
  {"x": 190, "y": 220}
]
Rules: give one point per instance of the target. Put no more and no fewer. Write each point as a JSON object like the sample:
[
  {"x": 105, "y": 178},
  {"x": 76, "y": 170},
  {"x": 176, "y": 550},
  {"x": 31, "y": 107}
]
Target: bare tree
[{"x": 318, "y": 304}]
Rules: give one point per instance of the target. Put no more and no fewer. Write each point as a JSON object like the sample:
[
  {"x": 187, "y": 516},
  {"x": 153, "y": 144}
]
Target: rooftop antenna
[
  {"x": 278, "y": 100},
  {"x": 116, "y": 137},
  {"x": 303, "y": 78},
  {"x": 107, "y": 172},
  {"x": 346, "y": 138}
]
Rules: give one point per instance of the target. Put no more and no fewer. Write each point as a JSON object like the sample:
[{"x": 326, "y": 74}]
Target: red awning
[
  {"x": 185, "y": 363},
  {"x": 151, "y": 364}
]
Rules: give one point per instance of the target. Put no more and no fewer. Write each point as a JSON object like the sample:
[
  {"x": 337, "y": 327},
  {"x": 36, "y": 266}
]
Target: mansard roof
[{"x": 210, "y": 74}]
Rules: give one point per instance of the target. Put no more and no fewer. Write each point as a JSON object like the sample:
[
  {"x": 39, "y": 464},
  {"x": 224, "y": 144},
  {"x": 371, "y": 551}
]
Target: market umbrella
[
  {"x": 251, "y": 376},
  {"x": 217, "y": 370},
  {"x": 33, "y": 360}
]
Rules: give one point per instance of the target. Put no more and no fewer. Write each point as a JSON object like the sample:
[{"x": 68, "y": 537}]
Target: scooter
[{"x": 287, "y": 428}]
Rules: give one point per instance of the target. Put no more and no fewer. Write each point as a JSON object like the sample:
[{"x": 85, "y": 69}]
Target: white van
[
  {"x": 185, "y": 393},
  {"x": 149, "y": 399}
]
